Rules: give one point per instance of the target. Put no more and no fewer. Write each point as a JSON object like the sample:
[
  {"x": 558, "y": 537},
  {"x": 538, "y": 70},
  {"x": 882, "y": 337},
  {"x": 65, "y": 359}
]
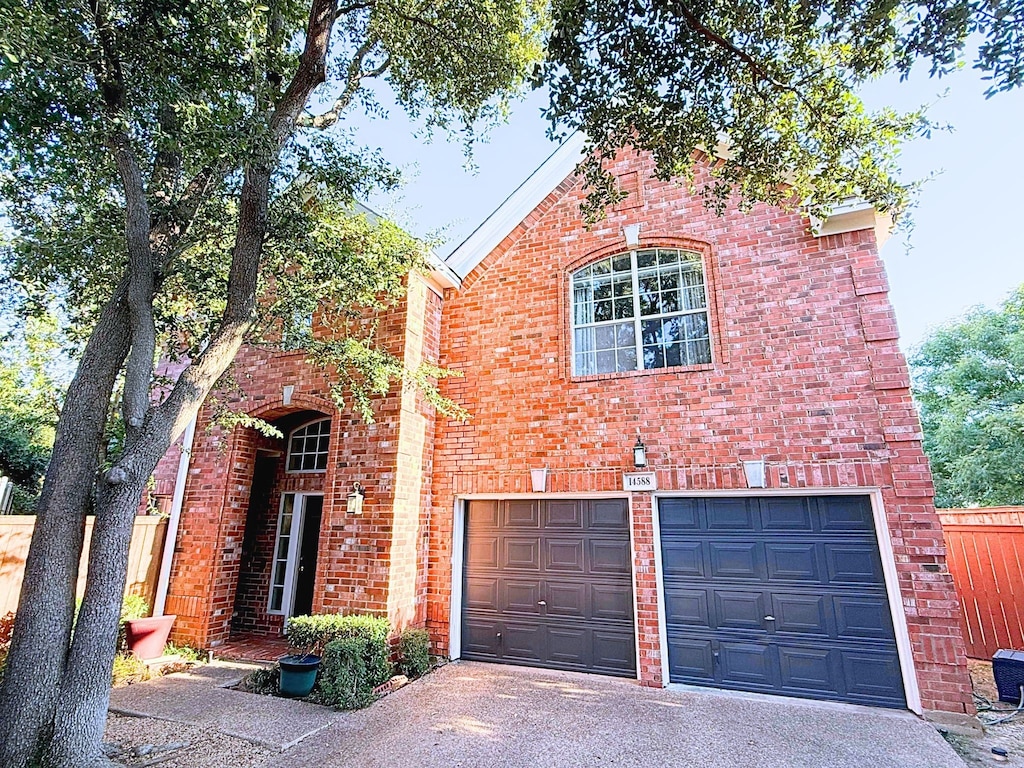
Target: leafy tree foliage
[
  {"x": 772, "y": 86},
  {"x": 969, "y": 384},
  {"x": 173, "y": 185}
]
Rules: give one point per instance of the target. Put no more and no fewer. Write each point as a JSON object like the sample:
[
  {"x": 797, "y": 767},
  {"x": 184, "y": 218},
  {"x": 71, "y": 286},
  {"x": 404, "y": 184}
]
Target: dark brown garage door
[{"x": 548, "y": 584}]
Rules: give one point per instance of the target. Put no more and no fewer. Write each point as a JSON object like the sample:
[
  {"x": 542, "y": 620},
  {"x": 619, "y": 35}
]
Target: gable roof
[
  {"x": 517, "y": 206},
  {"x": 848, "y": 216}
]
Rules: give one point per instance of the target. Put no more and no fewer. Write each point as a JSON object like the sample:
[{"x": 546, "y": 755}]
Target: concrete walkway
[
  {"x": 474, "y": 715},
  {"x": 204, "y": 698}
]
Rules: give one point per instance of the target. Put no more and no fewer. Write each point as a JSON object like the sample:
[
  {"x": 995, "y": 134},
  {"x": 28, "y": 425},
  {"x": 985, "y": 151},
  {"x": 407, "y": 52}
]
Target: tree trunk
[
  {"x": 46, "y": 609},
  {"x": 84, "y": 691}
]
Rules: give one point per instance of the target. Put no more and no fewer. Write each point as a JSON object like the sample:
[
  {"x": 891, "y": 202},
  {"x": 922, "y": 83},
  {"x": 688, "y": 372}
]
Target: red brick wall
[
  {"x": 807, "y": 374},
  {"x": 390, "y": 458}
]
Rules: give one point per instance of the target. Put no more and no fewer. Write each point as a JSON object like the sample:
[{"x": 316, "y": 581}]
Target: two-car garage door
[{"x": 771, "y": 594}]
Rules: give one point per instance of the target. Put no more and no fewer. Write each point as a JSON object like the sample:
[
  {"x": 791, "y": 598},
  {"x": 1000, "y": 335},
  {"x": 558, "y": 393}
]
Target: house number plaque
[{"x": 639, "y": 481}]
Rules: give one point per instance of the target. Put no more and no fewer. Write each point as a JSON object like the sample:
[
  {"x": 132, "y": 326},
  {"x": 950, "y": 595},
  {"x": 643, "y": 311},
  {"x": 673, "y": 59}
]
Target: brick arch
[
  {"x": 275, "y": 409},
  {"x": 681, "y": 242}
]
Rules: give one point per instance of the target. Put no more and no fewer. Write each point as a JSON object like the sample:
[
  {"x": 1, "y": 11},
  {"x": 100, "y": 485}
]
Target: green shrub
[
  {"x": 344, "y": 680},
  {"x": 312, "y": 634},
  {"x": 265, "y": 681},
  {"x": 414, "y": 652},
  {"x": 128, "y": 670},
  {"x": 134, "y": 607}
]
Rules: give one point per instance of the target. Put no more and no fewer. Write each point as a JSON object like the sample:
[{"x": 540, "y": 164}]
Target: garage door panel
[
  {"x": 785, "y": 514},
  {"x": 732, "y": 515},
  {"x": 853, "y": 564},
  {"x": 790, "y": 601},
  {"x": 522, "y": 514},
  {"x": 608, "y": 556},
  {"x": 608, "y": 515},
  {"x": 611, "y": 602},
  {"x": 567, "y": 599},
  {"x": 739, "y": 610},
  {"x": 568, "y": 647},
  {"x": 550, "y": 585},
  {"x": 872, "y": 677},
  {"x": 691, "y": 660},
  {"x": 683, "y": 559},
  {"x": 522, "y": 642},
  {"x": 801, "y": 614},
  {"x": 614, "y": 651},
  {"x": 484, "y": 551},
  {"x": 798, "y": 561},
  {"x": 807, "y": 669},
  {"x": 748, "y": 663},
  {"x": 563, "y": 514},
  {"x": 564, "y": 555},
  {"x": 522, "y": 554},
  {"x": 679, "y": 515},
  {"x": 482, "y": 515},
  {"x": 863, "y": 617},
  {"x": 738, "y": 560},
  {"x": 520, "y": 596},
  {"x": 481, "y": 638},
  {"x": 846, "y": 514},
  {"x": 481, "y": 593},
  {"x": 687, "y": 606}
]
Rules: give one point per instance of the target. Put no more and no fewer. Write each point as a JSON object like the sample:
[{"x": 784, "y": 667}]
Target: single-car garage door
[
  {"x": 549, "y": 584},
  {"x": 779, "y": 595}
]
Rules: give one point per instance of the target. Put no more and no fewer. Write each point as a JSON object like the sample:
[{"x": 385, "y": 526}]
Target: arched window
[
  {"x": 307, "y": 447},
  {"x": 640, "y": 310}
]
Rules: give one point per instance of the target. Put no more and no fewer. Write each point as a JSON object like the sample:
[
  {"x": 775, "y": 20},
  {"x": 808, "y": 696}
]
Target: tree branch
[{"x": 355, "y": 75}]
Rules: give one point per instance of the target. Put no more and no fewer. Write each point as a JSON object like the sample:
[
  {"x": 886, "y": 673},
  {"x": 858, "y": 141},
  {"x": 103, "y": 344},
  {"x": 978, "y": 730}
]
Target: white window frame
[
  {"x": 637, "y": 318},
  {"x": 288, "y": 452},
  {"x": 295, "y": 532}
]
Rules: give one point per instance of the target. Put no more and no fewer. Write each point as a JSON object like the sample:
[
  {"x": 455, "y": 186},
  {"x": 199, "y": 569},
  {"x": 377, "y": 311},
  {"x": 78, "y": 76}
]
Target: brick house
[{"x": 776, "y": 535}]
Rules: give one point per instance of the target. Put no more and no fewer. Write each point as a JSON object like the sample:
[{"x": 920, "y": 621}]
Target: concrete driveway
[{"x": 488, "y": 716}]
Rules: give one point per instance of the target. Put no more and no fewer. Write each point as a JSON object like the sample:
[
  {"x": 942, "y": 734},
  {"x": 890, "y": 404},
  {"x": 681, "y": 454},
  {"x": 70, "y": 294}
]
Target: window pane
[
  {"x": 605, "y": 362},
  {"x": 668, "y": 257},
  {"x": 673, "y": 353},
  {"x": 605, "y": 336},
  {"x": 583, "y": 307},
  {"x": 623, "y": 308},
  {"x": 654, "y": 357},
  {"x": 623, "y": 286},
  {"x": 603, "y": 267},
  {"x": 650, "y": 332},
  {"x": 626, "y": 359},
  {"x": 603, "y": 289},
  {"x": 585, "y": 363},
  {"x": 276, "y": 594},
  {"x": 671, "y": 330},
  {"x": 669, "y": 280},
  {"x": 621, "y": 263},
  {"x": 602, "y": 311},
  {"x": 669, "y": 302},
  {"x": 646, "y": 259},
  {"x": 625, "y": 336},
  {"x": 698, "y": 352}
]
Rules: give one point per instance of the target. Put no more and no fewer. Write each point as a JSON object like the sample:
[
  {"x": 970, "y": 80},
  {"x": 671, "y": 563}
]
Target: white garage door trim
[
  {"x": 899, "y": 617},
  {"x": 458, "y": 558}
]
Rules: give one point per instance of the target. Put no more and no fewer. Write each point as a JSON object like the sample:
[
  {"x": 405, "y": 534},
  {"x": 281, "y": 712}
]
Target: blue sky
[{"x": 964, "y": 249}]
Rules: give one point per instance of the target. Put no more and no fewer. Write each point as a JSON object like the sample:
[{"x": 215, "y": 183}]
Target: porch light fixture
[
  {"x": 539, "y": 479},
  {"x": 355, "y": 500},
  {"x": 632, "y": 234},
  {"x": 639, "y": 454},
  {"x": 754, "y": 471}
]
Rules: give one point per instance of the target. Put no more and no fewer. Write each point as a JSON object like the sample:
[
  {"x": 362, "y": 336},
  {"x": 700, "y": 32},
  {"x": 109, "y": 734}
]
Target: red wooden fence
[{"x": 985, "y": 554}]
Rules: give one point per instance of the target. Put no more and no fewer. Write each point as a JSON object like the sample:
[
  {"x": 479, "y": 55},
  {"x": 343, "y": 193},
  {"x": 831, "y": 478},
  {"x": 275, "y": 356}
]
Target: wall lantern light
[
  {"x": 355, "y": 500},
  {"x": 539, "y": 479},
  {"x": 754, "y": 471},
  {"x": 632, "y": 234},
  {"x": 639, "y": 454}
]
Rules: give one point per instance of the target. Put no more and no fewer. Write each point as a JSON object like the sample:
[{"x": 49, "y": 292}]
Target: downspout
[{"x": 163, "y": 581}]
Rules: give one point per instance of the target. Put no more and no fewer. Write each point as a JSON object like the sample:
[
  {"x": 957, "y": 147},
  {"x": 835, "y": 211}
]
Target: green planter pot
[{"x": 298, "y": 674}]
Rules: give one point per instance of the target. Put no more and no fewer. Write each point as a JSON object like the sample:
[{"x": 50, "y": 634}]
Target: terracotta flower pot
[{"x": 147, "y": 637}]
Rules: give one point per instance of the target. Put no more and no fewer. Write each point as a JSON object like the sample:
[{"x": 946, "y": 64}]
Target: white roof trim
[
  {"x": 851, "y": 215},
  {"x": 517, "y": 206}
]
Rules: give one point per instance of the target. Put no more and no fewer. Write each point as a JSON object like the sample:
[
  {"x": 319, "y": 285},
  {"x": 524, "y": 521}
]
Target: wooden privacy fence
[
  {"x": 143, "y": 558},
  {"x": 985, "y": 554}
]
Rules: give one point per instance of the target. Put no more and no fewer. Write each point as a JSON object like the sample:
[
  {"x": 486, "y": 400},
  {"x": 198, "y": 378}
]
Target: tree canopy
[
  {"x": 969, "y": 383},
  {"x": 771, "y": 88}
]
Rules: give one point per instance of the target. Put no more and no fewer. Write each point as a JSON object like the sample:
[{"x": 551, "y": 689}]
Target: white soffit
[
  {"x": 852, "y": 215},
  {"x": 517, "y": 206}
]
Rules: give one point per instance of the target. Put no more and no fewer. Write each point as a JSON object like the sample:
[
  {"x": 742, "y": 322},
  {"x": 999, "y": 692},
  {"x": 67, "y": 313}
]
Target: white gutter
[{"x": 163, "y": 581}]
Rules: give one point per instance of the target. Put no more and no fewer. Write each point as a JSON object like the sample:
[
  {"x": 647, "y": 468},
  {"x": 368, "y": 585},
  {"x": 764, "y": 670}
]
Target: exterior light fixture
[
  {"x": 539, "y": 479},
  {"x": 355, "y": 500},
  {"x": 754, "y": 471},
  {"x": 639, "y": 454},
  {"x": 632, "y": 234}
]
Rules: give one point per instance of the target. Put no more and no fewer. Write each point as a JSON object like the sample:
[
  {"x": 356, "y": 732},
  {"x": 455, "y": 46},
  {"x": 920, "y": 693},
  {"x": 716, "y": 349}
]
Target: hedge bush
[
  {"x": 345, "y": 681},
  {"x": 312, "y": 634},
  {"x": 414, "y": 650}
]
